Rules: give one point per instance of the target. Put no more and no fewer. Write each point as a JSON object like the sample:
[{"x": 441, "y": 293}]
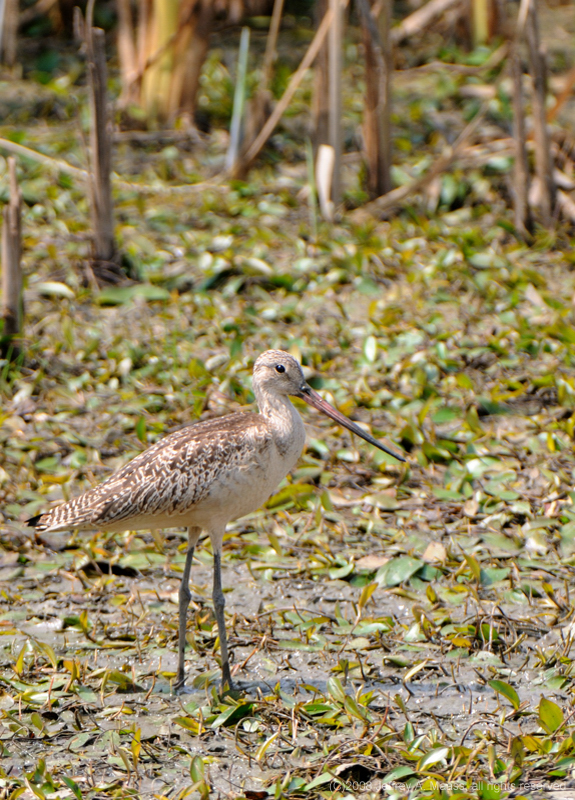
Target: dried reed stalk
[
  {"x": 543, "y": 159},
  {"x": 523, "y": 222},
  {"x": 377, "y": 114},
  {"x": 335, "y": 36},
  {"x": 100, "y": 146},
  {"x": 12, "y": 303}
]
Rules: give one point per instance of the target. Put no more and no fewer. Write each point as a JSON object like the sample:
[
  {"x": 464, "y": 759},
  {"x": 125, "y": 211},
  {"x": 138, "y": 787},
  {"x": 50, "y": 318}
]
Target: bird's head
[{"x": 277, "y": 373}]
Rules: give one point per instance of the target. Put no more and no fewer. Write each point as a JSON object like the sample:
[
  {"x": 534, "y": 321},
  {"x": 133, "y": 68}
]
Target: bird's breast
[{"x": 241, "y": 489}]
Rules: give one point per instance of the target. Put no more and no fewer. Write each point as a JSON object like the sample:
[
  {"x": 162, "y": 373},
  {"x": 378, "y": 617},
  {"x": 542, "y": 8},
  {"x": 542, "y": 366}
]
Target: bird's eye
[{"x": 280, "y": 368}]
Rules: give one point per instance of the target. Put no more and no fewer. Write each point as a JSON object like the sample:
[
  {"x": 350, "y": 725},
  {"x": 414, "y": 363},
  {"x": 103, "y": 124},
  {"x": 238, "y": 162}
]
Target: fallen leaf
[
  {"x": 434, "y": 551},
  {"x": 371, "y": 561}
]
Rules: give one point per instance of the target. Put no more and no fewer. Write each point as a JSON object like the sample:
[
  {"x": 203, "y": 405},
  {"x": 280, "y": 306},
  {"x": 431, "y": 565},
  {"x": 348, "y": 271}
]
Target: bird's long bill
[{"x": 315, "y": 400}]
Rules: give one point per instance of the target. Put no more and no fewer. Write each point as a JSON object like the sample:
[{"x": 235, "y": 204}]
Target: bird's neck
[
  {"x": 274, "y": 407},
  {"x": 283, "y": 417}
]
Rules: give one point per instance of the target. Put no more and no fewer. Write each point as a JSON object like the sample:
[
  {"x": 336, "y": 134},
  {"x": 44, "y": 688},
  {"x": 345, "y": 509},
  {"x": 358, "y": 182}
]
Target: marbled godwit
[{"x": 205, "y": 475}]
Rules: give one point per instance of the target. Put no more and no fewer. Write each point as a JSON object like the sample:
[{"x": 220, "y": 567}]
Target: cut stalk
[
  {"x": 334, "y": 126},
  {"x": 377, "y": 114},
  {"x": 100, "y": 147},
  {"x": 12, "y": 302},
  {"x": 320, "y": 102},
  {"x": 10, "y": 32},
  {"x": 520, "y": 168},
  {"x": 543, "y": 158}
]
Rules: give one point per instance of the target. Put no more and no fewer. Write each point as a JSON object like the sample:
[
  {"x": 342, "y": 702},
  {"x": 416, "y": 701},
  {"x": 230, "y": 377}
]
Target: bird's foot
[
  {"x": 233, "y": 691},
  {"x": 180, "y": 684},
  {"x": 227, "y": 685}
]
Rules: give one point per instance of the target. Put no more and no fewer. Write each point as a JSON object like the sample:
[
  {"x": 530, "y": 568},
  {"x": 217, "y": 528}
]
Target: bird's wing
[{"x": 167, "y": 479}]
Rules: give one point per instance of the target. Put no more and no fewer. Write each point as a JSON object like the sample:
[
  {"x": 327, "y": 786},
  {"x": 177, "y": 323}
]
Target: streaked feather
[{"x": 170, "y": 478}]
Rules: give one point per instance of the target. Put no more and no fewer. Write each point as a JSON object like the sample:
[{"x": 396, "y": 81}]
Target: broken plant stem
[
  {"x": 520, "y": 168},
  {"x": 100, "y": 146},
  {"x": 12, "y": 303},
  {"x": 334, "y": 94},
  {"x": 377, "y": 114},
  {"x": 543, "y": 158}
]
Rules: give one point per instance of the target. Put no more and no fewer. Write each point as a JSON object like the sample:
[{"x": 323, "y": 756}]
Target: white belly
[
  {"x": 240, "y": 492},
  {"x": 235, "y": 491}
]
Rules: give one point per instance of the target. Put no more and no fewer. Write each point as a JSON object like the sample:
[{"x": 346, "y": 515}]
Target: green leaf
[
  {"x": 141, "y": 430},
  {"x": 19, "y": 665},
  {"x": 263, "y": 748},
  {"x": 48, "y": 464},
  {"x": 398, "y": 774},
  {"x": 231, "y": 715},
  {"x": 121, "y": 679},
  {"x": 189, "y": 723},
  {"x": 295, "y": 644},
  {"x": 197, "y": 769},
  {"x": 369, "y": 628},
  {"x": 507, "y": 691},
  {"x": 336, "y": 573},
  {"x": 446, "y": 414},
  {"x": 73, "y": 786},
  {"x": 336, "y": 690},
  {"x": 491, "y": 575},
  {"x": 397, "y": 571},
  {"x": 382, "y": 500},
  {"x": 473, "y": 565},
  {"x": 366, "y": 594},
  {"x": 17, "y": 793},
  {"x": 79, "y": 742},
  {"x": 292, "y": 493},
  {"x": 319, "y": 780},
  {"x": 48, "y": 651},
  {"x": 317, "y": 709},
  {"x": 490, "y": 791},
  {"x": 436, "y": 453},
  {"x": 435, "y": 755},
  {"x": 120, "y": 295},
  {"x": 550, "y": 715},
  {"x": 396, "y": 661},
  {"x": 447, "y": 494}
]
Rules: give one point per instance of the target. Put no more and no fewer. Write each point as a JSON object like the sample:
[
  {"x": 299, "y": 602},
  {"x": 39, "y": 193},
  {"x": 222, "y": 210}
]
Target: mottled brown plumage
[
  {"x": 205, "y": 475},
  {"x": 167, "y": 481}
]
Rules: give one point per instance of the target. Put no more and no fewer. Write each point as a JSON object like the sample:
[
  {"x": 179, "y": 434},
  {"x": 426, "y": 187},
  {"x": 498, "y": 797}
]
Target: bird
[{"x": 203, "y": 476}]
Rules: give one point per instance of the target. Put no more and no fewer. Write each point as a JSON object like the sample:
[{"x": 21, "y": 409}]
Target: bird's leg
[
  {"x": 184, "y": 598},
  {"x": 219, "y": 603}
]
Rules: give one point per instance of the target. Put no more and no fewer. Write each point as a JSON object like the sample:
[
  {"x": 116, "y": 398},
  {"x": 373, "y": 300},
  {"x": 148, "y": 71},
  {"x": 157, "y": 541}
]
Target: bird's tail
[{"x": 76, "y": 513}]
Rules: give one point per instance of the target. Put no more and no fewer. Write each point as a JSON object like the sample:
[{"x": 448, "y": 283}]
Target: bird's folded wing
[{"x": 167, "y": 479}]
